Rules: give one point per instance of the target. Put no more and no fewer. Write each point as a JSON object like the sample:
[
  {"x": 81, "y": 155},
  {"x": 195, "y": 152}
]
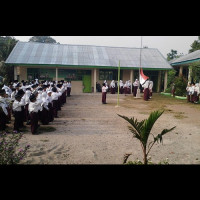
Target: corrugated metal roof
[
  {"x": 86, "y": 55},
  {"x": 189, "y": 57}
]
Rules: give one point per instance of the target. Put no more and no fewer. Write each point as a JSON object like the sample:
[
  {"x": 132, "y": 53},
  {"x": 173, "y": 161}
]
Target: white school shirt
[
  {"x": 27, "y": 96},
  {"x": 54, "y": 96},
  {"x": 3, "y": 105},
  {"x": 146, "y": 85},
  {"x": 33, "y": 107},
  {"x": 112, "y": 84},
  {"x": 104, "y": 88},
  {"x": 17, "y": 105},
  {"x": 191, "y": 90}
]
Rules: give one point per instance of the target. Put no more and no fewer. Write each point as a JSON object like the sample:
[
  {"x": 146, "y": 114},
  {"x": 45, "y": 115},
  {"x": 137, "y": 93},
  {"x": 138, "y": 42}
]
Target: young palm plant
[{"x": 142, "y": 130}]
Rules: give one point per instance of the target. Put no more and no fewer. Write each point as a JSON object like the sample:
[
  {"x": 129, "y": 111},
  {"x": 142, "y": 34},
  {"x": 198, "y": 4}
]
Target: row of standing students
[
  {"x": 33, "y": 103},
  {"x": 193, "y": 91},
  {"x": 126, "y": 89}
]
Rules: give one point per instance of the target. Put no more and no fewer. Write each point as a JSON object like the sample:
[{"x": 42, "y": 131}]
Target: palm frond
[
  {"x": 159, "y": 136},
  {"x": 148, "y": 124},
  {"x": 135, "y": 127}
]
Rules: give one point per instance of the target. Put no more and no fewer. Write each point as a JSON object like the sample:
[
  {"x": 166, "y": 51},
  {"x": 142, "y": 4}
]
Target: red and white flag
[{"x": 143, "y": 78}]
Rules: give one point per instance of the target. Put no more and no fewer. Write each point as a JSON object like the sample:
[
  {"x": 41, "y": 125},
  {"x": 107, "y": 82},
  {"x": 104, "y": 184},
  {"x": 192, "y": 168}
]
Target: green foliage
[
  {"x": 180, "y": 86},
  {"x": 42, "y": 39},
  {"x": 6, "y": 45},
  {"x": 172, "y": 55},
  {"x": 149, "y": 162},
  {"x": 195, "y": 71},
  {"x": 195, "y": 45},
  {"x": 9, "y": 154},
  {"x": 142, "y": 130},
  {"x": 170, "y": 77}
]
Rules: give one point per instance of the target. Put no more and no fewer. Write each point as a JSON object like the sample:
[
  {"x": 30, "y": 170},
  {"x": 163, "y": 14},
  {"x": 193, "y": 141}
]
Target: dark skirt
[
  {"x": 135, "y": 90},
  {"x": 34, "y": 122},
  {"x": 188, "y": 98},
  {"x": 55, "y": 108},
  {"x": 146, "y": 94},
  {"x": 195, "y": 97},
  {"x": 121, "y": 90},
  {"x": 112, "y": 90},
  {"x": 44, "y": 116},
  {"x": 104, "y": 97},
  {"x": 68, "y": 91},
  {"x": 125, "y": 90},
  {"x": 51, "y": 113}
]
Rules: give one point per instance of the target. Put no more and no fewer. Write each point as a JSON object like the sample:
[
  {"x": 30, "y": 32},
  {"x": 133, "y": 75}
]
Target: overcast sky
[{"x": 163, "y": 43}]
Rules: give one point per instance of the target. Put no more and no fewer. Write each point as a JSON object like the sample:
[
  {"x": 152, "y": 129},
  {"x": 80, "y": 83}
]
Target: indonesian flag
[{"x": 143, "y": 78}]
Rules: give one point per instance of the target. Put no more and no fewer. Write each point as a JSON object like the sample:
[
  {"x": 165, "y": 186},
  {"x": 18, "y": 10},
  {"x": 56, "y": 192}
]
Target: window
[{"x": 109, "y": 74}]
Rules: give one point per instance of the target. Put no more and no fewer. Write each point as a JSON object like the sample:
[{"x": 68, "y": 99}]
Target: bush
[
  {"x": 9, "y": 154},
  {"x": 180, "y": 86}
]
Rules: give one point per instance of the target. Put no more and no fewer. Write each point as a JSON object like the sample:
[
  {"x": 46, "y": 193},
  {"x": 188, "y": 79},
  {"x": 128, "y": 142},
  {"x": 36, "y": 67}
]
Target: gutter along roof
[{"x": 65, "y": 55}]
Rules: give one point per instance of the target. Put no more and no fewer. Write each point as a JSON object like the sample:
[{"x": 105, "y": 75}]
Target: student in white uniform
[
  {"x": 33, "y": 111},
  {"x": 17, "y": 110},
  {"x": 104, "y": 91},
  {"x": 3, "y": 110}
]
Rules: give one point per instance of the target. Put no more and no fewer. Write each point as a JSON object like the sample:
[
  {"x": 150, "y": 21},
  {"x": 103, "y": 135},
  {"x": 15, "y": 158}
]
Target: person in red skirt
[
  {"x": 146, "y": 90},
  {"x": 150, "y": 89},
  {"x": 135, "y": 87},
  {"x": 125, "y": 88},
  {"x": 104, "y": 91},
  {"x": 112, "y": 87}
]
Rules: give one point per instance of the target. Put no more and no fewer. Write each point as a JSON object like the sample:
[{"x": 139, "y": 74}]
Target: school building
[
  {"x": 181, "y": 64},
  {"x": 84, "y": 65}
]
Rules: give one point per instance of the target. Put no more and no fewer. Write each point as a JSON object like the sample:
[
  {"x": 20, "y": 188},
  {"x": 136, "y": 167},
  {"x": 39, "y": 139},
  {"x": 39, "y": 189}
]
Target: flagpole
[
  {"x": 140, "y": 58},
  {"x": 138, "y": 90},
  {"x": 118, "y": 85}
]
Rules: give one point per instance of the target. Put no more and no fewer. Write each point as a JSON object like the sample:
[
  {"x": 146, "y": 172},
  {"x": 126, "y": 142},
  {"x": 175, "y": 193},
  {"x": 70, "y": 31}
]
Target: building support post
[
  {"x": 95, "y": 79},
  {"x": 181, "y": 71},
  {"x": 189, "y": 75},
  {"x": 159, "y": 81},
  {"x": 56, "y": 74},
  {"x": 165, "y": 80},
  {"x": 131, "y": 78},
  {"x": 15, "y": 72}
]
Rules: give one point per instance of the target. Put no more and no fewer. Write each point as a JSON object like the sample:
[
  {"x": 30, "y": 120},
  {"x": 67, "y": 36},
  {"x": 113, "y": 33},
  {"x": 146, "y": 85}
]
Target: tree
[
  {"x": 195, "y": 45},
  {"x": 7, "y": 43},
  {"x": 42, "y": 39},
  {"x": 142, "y": 130},
  {"x": 173, "y": 54}
]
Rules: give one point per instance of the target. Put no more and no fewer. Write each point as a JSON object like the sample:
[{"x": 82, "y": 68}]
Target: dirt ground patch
[{"x": 89, "y": 132}]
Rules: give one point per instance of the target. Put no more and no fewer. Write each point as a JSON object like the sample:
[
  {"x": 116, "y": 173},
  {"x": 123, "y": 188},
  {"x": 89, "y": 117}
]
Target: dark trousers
[
  {"x": 2, "y": 120},
  {"x": 34, "y": 122},
  {"x": 44, "y": 116},
  {"x": 68, "y": 91},
  {"x": 103, "y": 97},
  {"x": 18, "y": 120}
]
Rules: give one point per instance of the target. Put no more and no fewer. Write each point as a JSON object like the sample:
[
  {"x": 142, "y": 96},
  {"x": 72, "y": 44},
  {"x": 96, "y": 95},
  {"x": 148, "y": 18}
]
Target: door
[{"x": 87, "y": 84}]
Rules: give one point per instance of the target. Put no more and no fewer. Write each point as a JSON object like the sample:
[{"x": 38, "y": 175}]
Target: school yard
[{"x": 89, "y": 132}]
